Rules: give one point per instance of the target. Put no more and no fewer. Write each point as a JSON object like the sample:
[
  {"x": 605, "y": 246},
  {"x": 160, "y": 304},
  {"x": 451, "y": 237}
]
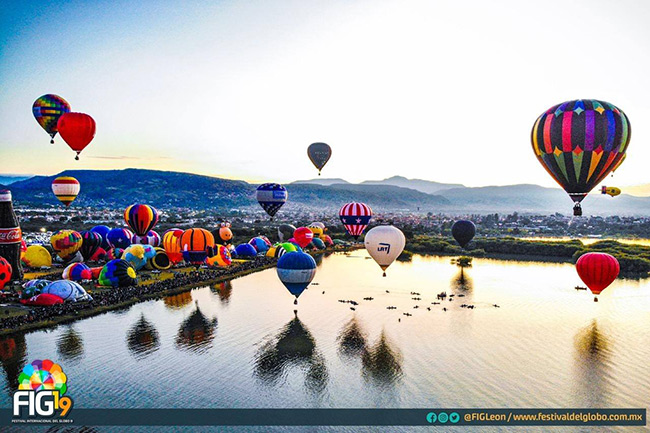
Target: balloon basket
[
  {"x": 52, "y": 141},
  {"x": 595, "y": 299},
  {"x": 295, "y": 302},
  {"x": 384, "y": 274}
]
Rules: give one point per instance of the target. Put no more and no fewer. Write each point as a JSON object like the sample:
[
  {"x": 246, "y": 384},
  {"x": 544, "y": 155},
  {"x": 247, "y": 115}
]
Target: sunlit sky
[{"x": 437, "y": 90}]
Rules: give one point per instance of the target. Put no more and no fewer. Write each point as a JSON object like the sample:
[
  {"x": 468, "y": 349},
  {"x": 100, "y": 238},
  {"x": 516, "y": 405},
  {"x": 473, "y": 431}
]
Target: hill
[{"x": 425, "y": 186}]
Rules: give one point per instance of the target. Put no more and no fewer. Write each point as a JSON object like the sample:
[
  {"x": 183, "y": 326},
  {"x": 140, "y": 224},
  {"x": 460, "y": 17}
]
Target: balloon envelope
[
  {"x": 296, "y": 270},
  {"x": 66, "y": 189},
  {"x": 77, "y": 130},
  {"x": 385, "y": 244},
  {"x": 67, "y": 290},
  {"x": 285, "y": 231},
  {"x": 319, "y": 154},
  {"x": 47, "y": 110},
  {"x": 597, "y": 270},
  {"x": 141, "y": 218},
  {"x": 119, "y": 238},
  {"x": 37, "y": 256},
  {"x": 77, "y": 272},
  {"x": 271, "y": 196},
  {"x": 66, "y": 243},
  {"x": 117, "y": 273},
  {"x": 91, "y": 242},
  {"x": 463, "y": 231},
  {"x": 303, "y": 236},
  {"x": 245, "y": 250},
  {"x": 355, "y": 217},
  {"x": 103, "y": 232},
  {"x": 172, "y": 244}
]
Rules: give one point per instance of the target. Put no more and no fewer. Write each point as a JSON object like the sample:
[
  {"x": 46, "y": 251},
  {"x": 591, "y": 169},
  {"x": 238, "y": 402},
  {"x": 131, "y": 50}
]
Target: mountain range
[{"x": 164, "y": 189}]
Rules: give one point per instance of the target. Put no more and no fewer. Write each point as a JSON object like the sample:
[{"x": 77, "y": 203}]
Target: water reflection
[
  {"x": 196, "y": 332},
  {"x": 69, "y": 345},
  {"x": 13, "y": 351},
  {"x": 318, "y": 258},
  {"x": 142, "y": 339},
  {"x": 178, "y": 301},
  {"x": 462, "y": 282},
  {"x": 382, "y": 363},
  {"x": 293, "y": 346},
  {"x": 223, "y": 290},
  {"x": 592, "y": 356},
  {"x": 352, "y": 339}
]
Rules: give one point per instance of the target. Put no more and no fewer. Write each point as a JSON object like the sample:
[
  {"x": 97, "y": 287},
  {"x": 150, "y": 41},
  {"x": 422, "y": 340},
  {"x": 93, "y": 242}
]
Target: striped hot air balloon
[
  {"x": 271, "y": 196},
  {"x": 66, "y": 189},
  {"x": 355, "y": 217},
  {"x": 141, "y": 218},
  {"x": 196, "y": 245}
]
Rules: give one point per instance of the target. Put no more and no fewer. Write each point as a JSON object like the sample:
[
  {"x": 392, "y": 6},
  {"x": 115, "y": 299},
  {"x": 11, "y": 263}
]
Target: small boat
[{"x": 580, "y": 288}]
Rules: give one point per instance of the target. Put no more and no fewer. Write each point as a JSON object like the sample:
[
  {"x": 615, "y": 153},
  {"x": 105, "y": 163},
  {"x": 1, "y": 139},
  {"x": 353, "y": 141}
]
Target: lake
[{"x": 239, "y": 344}]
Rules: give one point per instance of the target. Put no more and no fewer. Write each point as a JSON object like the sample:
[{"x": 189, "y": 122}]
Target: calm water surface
[{"x": 239, "y": 344}]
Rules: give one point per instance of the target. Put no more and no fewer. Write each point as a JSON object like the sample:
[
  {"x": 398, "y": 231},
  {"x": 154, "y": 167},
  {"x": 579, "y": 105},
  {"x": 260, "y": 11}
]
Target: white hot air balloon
[{"x": 385, "y": 244}]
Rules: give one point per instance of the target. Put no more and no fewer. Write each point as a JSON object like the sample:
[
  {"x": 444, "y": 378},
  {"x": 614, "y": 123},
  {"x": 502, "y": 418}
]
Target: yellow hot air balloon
[
  {"x": 316, "y": 229},
  {"x": 66, "y": 189},
  {"x": 610, "y": 190},
  {"x": 37, "y": 256},
  {"x": 66, "y": 243}
]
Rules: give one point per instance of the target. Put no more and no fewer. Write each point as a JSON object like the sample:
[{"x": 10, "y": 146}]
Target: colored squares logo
[{"x": 43, "y": 375}]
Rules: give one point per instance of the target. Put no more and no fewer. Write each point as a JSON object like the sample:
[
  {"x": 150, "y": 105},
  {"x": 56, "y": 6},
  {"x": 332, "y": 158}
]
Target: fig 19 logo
[{"x": 41, "y": 390}]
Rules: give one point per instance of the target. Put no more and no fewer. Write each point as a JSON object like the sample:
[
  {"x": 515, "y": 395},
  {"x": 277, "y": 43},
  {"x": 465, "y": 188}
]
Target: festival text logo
[{"x": 41, "y": 391}]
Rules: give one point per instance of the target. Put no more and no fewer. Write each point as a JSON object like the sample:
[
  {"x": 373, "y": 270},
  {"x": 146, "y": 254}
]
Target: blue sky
[{"x": 444, "y": 91}]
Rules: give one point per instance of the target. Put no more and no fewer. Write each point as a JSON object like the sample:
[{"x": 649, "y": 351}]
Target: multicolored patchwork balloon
[{"x": 47, "y": 109}]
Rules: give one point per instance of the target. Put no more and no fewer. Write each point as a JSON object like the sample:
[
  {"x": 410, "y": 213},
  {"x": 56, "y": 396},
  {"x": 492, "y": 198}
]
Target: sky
[{"x": 438, "y": 90}]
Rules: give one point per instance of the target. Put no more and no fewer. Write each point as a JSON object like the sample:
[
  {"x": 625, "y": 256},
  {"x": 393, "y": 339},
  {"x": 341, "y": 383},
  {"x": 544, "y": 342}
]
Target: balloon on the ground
[
  {"x": 319, "y": 154},
  {"x": 5, "y": 272},
  {"x": 221, "y": 257},
  {"x": 597, "y": 271},
  {"x": 296, "y": 270},
  {"x": 171, "y": 242},
  {"x": 118, "y": 273},
  {"x": 135, "y": 254},
  {"x": 152, "y": 238},
  {"x": 317, "y": 230},
  {"x": 197, "y": 244},
  {"x": 303, "y": 236},
  {"x": 328, "y": 240},
  {"x": 285, "y": 231},
  {"x": 96, "y": 271},
  {"x": 115, "y": 253},
  {"x": 67, "y": 290},
  {"x": 37, "y": 256},
  {"x": 77, "y": 272},
  {"x": 43, "y": 300},
  {"x": 33, "y": 287},
  {"x": 47, "y": 109},
  {"x": 91, "y": 242},
  {"x": 66, "y": 189},
  {"x": 77, "y": 130},
  {"x": 223, "y": 235},
  {"x": 260, "y": 243},
  {"x": 100, "y": 254},
  {"x": 119, "y": 238},
  {"x": 611, "y": 191},
  {"x": 579, "y": 143},
  {"x": 318, "y": 243},
  {"x": 271, "y": 196},
  {"x": 103, "y": 230},
  {"x": 385, "y": 244},
  {"x": 355, "y": 217},
  {"x": 141, "y": 218},
  {"x": 245, "y": 250},
  {"x": 463, "y": 231},
  {"x": 159, "y": 261},
  {"x": 66, "y": 243}
]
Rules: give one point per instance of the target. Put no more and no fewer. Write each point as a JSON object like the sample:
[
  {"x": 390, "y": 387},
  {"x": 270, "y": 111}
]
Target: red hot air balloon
[
  {"x": 597, "y": 270},
  {"x": 77, "y": 130},
  {"x": 303, "y": 236}
]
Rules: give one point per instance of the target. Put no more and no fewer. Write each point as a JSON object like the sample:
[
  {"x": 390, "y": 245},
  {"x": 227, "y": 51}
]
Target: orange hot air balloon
[
  {"x": 172, "y": 244},
  {"x": 77, "y": 130},
  {"x": 598, "y": 271},
  {"x": 196, "y": 245}
]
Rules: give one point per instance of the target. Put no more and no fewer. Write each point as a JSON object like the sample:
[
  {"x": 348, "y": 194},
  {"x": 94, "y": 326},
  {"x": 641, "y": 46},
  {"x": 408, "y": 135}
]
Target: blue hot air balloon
[
  {"x": 296, "y": 270},
  {"x": 271, "y": 196},
  {"x": 463, "y": 231},
  {"x": 245, "y": 250},
  {"x": 103, "y": 232},
  {"x": 67, "y": 290},
  {"x": 119, "y": 238}
]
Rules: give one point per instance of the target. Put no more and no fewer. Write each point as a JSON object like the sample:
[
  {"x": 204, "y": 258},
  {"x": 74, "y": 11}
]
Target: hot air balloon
[
  {"x": 138, "y": 255},
  {"x": 245, "y": 250},
  {"x": 103, "y": 232},
  {"x": 172, "y": 244},
  {"x": 303, "y": 236},
  {"x": 221, "y": 257},
  {"x": 597, "y": 271},
  {"x": 271, "y": 196},
  {"x": 319, "y": 154},
  {"x": 119, "y": 238},
  {"x": 37, "y": 256},
  {"x": 285, "y": 231},
  {"x": 77, "y": 130},
  {"x": 223, "y": 234},
  {"x": 33, "y": 287},
  {"x": 296, "y": 270},
  {"x": 328, "y": 240},
  {"x": 77, "y": 272},
  {"x": 159, "y": 261},
  {"x": 152, "y": 238},
  {"x": 260, "y": 243},
  {"x": 141, "y": 218},
  {"x": 47, "y": 109},
  {"x": 90, "y": 244},
  {"x": 579, "y": 142},
  {"x": 463, "y": 231},
  {"x": 612, "y": 191},
  {"x": 318, "y": 243},
  {"x": 118, "y": 273},
  {"x": 67, "y": 290},
  {"x": 355, "y": 217},
  {"x": 196, "y": 245},
  {"x": 385, "y": 244},
  {"x": 66, "y": 189},
  {"x": 316, "y": 229},
  {"x": 66, "y": 243},
  {"x": 5, "y": 272},
  {"x": 43, "y": 300}
]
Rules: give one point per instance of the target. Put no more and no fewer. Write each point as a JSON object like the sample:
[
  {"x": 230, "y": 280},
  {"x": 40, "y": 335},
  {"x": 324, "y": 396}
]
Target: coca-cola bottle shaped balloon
[{"x": 10, "y": 235}]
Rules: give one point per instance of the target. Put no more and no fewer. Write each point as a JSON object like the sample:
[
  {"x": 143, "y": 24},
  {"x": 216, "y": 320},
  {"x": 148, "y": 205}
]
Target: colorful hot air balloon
[
  {"x": 138, "y": 255},
  {"x": 159, "y": 261},
  {"x": 117, "y": 273},
  {"x": 119, "y": 238},
  {"x": 67, "y": 290},
  {"x": 260, "y": 243},
  {"x": 196, "y": 245},
  {"x": 612, "y": 191},
  {"x": 328, "y": 240},
  {"x": 171, "y": 242},
  {"x": 245, "y": 250},
  {"x": 597, "y": 271},
  {"x": 303, "y": 236},
  {"x": 385, "y": 244},
  {"x": 43, "y": 300},
  {"x": 296, "y": 270},
  {"x": 271, "y": 196},
  {"x": 355, "y": 217},
  {"x": 319, "y": 154},
  {"x": 77, "y": 130},
  {"x": 66, "y": 189},
  {"x": 316, "y": 229},
  {"x": 77, "y": 272},
  {"x": 47, "y": 109},
  {"x": 141, "y": 218},
  {"x": 152, "y": 238},
  {"x": 463, "y": 231},
  {"x": 37, "y": 256},
  {"x": 33, "y": 287},
  {"x": 318, "y": 243},
  {"x": 579, "y": 143},
  {"x": 91, "y": 243},
  {"x": 103, "y": 232},
  {"x": 66, "y": 243},
  {"x": 221, "y": 257},
  {"x": 223, "y": 234}
]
